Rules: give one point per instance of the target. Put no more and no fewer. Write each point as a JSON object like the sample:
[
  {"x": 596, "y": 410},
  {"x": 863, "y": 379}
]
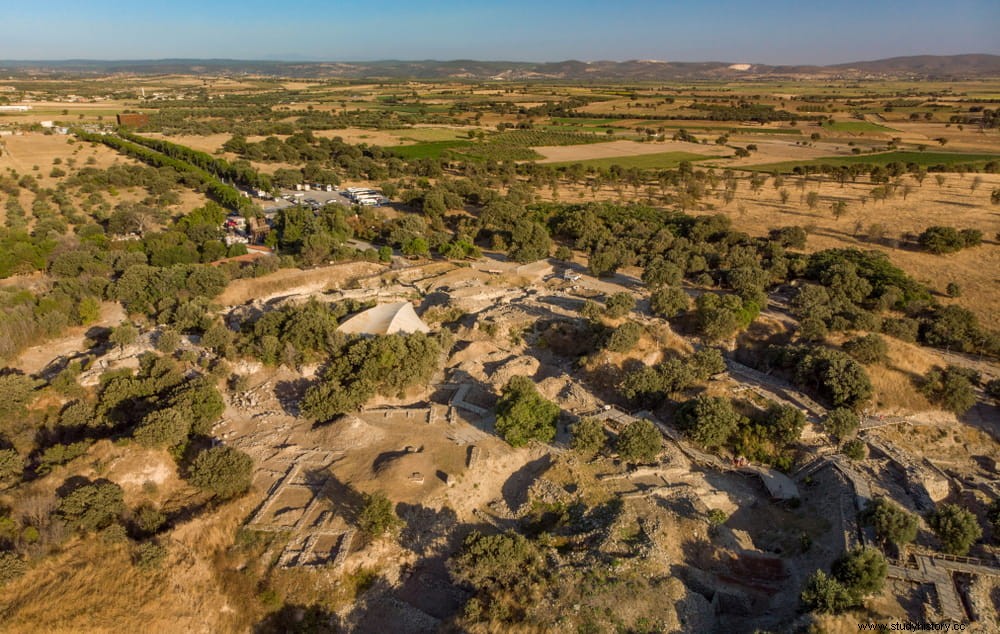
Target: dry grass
[
  {"x": 92, "y": 586},
  {"x": 954, "y": 203}
]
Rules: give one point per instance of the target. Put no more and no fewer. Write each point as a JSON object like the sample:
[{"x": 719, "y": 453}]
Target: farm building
[
  {"x": 133, "y": 120},
  {"x": 385, "y": 319}
]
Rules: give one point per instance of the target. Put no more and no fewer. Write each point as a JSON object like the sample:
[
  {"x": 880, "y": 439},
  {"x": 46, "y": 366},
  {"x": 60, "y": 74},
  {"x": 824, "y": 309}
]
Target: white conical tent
[{"x": 385, "y": 319}]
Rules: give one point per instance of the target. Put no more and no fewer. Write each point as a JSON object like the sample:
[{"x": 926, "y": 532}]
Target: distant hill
[{"x": 917, "y": 67}]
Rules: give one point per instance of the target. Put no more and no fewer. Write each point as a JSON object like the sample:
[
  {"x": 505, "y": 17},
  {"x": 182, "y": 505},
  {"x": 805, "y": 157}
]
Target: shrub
[
  {"x": 784, "y": 423},
  {"x": 956, "y": 527},
  {"x": 493, "y": 563},
  {"x": 640, "y": 441},
  {"x": 147, "y": 520},
  {"x": 11, "y": 464},
  {"x": 588, "y": 436},
  {"x": 719, "y": 316},
  {"x": 224, "y": 471},
  {"x": 992, "y": 388},
  {"x": 661, "y": 273},
  {"x": 950, "y": 388},
  {"x": 12, "y": 566},
  {"x": 867, "y": 349},
  {"x": 837, "y": 376},
  {"x": 524, "y": 415},
  {"x": 624, "y": 337},
  {"x": 149, "y": 555},
  {"x": 794, "y": 237},
  {"x": 855, "y": 449}
]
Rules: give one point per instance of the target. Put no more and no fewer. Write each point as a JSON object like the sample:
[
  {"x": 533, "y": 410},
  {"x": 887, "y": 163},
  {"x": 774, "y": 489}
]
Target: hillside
[{"x": 921, "y": 66}]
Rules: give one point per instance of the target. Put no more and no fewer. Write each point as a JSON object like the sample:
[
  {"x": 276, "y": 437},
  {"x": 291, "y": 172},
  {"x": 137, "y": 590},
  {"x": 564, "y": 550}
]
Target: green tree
[
  {"x": 950, "y": 388},
  {"x": 124, "y": 335},
  {"x": 524, "y": 415},
  {"x": 709, "y": 420},
  {"x": 841, "y": 423},
  {"x": 224, "y": 471},
  {"x": 640, "y": 441},
  {"x": 377, "y": 517},
  {"x": 719, "y": 316},
  {"x": 496, "y": 563},
  {"x": 92, "y": 506},
  {"x": 589, "y": 436},
  {"x": 862, "y": 572},
  {"x": 200, "y": 401},
  {"x": 16, "y": 392},
  {"x": 167, "y": 341},
  {"x": 891, "y": 523},
  {"x": 867, "y": 349},
  {"x": 530, "y": 241},
  {"x": 784, "y": 423},
  {"x": 618, "y": 305},
  {"x": 668, "y": 302},
  {"x": 167, "y": 427},
  {"x": 825, "y": 594},
  {"x": 956, "y": 527}
]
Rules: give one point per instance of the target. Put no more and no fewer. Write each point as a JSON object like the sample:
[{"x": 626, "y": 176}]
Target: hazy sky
[{"x": 805, "y": 31}]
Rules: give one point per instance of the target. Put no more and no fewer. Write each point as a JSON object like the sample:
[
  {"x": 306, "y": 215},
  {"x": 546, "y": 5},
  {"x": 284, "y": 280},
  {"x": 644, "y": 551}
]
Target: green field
[
  {"x": 662, "y": 160},
  {"x": 793, "y": 131},
  {"x": 431, "y": 149},
  {"x": 582, "y": 121},
  {"x": 925, "y": 159},
  {"x": 429, "y": 134},
  {"x": 856, "y": 127}
]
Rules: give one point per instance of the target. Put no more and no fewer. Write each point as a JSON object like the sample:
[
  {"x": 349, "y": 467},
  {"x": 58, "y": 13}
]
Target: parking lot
[{"x": 314, "y": 199}]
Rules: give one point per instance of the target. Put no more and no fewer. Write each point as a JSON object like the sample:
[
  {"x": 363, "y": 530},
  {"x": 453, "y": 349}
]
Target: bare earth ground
[
  {"x": 613, "y": 149},
  {"x": 293, "y": 282},
  {"x": 773, "y": 151}
]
